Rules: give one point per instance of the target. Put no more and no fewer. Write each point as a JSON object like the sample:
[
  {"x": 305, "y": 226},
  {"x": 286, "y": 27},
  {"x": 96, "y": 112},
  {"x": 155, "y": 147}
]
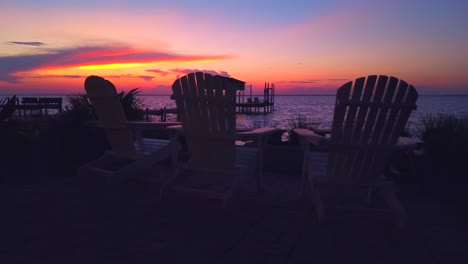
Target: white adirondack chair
[
  {"x": 370, "y": 115},
  {"x": 127, "y": 156},
  {"x": 216, "y": 165}
]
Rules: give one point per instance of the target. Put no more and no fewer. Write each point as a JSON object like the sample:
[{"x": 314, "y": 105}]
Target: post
[
  {"x": 273, "y": 97},
  {"x": 163, "y": 114}
]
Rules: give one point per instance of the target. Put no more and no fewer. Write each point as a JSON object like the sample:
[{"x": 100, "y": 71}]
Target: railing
[{"x": 162, "y": 113}]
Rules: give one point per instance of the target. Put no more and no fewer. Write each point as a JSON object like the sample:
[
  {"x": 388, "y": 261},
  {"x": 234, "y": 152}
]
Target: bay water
[{"x": 316, "y": 109}]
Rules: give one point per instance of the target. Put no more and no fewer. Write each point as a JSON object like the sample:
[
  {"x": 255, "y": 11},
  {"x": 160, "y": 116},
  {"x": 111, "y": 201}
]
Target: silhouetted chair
[
  {"x": 128, "y": 156},
  {"x": 370, "y": 115},
  {"x": 215, "y": 164}
]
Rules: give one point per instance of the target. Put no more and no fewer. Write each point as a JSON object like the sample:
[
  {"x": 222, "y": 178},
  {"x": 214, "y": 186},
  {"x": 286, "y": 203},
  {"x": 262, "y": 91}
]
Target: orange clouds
[{"x": 12, "y": 68}]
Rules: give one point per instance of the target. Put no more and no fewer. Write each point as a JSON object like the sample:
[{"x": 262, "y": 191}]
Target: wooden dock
[{"x": 256, "y": 105}]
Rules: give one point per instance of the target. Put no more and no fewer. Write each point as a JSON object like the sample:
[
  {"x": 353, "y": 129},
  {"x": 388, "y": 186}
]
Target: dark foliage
[
  {"x": 47, "y": 149},
  {"x": 300, "y": 122},
  {"x": 132, "y": 105},
  {"x": 445, "y": 154}
]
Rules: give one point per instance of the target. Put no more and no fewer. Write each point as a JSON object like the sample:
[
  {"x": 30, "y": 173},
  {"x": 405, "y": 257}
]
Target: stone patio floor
[{"x": 77, "y": 220}]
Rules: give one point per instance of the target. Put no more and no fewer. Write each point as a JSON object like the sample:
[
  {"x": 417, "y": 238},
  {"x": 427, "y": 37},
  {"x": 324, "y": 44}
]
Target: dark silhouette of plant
[
  {"x": 80, "y": 108},
  {"x": 8, "y": 108},
  {"x": 445, "y": 140},
  {"x": 132, "y": 105},
  {"x": 300, "y": 122}
]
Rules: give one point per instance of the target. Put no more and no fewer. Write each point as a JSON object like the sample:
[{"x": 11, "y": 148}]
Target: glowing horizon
[{"x": 304, "y": 47}]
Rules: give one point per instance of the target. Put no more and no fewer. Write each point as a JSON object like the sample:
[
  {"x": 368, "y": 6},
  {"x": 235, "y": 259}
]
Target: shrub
[
  {"x": 132, "y": 105},
  {"x": 80, "y": 107},
  {"x": 445, "y": 140},
  {"x": 55, "y": 147},
  {"x": 300, "y": 122}
]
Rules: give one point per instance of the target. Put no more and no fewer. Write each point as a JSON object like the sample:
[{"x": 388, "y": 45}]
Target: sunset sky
[{"x": 303, "y": 46}]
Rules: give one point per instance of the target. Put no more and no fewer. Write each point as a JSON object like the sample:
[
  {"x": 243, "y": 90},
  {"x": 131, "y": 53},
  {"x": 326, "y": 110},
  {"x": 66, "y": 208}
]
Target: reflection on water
[
  {"x": 320, "y": 109},
  {"x": 317, "y": 109}
]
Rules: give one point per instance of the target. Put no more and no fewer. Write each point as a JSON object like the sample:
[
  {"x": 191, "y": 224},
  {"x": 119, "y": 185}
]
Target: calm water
[{"x": 318, "y": 109}]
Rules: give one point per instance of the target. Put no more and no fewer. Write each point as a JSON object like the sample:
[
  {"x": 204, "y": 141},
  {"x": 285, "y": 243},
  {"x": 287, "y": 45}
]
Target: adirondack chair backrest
[
  {"x": 370, "y": 115},
  {"x": 207, "y": 112},
  {"x": 108, "y": 108}
]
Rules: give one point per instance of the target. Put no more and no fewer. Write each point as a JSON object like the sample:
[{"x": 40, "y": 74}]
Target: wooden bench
[
  {"x": 39, "y": 104},
  {"x": 51, "y": 103}
]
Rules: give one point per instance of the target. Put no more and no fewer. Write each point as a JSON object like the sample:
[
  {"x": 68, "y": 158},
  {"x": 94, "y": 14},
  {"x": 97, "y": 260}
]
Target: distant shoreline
[{"x": 256, "y": 95}]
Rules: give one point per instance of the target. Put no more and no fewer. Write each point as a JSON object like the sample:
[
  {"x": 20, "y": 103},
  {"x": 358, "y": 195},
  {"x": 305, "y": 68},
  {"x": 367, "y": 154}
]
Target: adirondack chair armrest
[
  {"x": 111, "y": 161},
  {"x": 143, "y": 125},
  {"x": 110, "y": 153},
  {"x": 408, "y": 143},
  {"x": 93, "y": 123},
  {"x": 260, "y": 135},
  {"x": 175, "y": 130},
  {"x": 309, "y": 137},
  {"x": 139, "y": 126},
  {"x": 175, "y": 133}
]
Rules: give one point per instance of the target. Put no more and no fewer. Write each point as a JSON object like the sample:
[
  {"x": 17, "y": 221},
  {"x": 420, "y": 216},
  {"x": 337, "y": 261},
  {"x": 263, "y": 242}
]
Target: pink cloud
[
  {"x": 187, "y": 71},
  {"x": 158, "y": 71}
]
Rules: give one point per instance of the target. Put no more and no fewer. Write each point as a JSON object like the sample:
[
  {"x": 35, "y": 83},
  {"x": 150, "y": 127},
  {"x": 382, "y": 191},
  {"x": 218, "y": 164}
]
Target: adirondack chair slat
[
  {"x": 376, "y": 158},
  {"x": 192, "y": 92},
  {"x": 348, "y": 159},
  {"x": 210, "y": 110},
  {"x": 219, "y": 107},
  {"x": 177, "y": 96},
  {"x": 202, "y": 95},
  {"x": 338, "y": 118},
  {"x": 356, "y": 163},
  {"x": 369, "y": 126},
  {"x": 394, "y": 113}
]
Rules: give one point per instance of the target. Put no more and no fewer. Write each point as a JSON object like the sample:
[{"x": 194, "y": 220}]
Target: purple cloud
[{"x": 27, "y": 43}]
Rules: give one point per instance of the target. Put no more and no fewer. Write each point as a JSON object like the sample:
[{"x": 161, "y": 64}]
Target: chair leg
[
  {"x": 232, "y": 197},
  {"x": 388, "y": 193},
  {"x": 166, "y": 186},
  {"x": 175, "y": 149},
  {"x": 304, "y": 175},
  {"x": 370, "y": 194},
  {"x": 317, "y": 202},
  {"x": 175, "y": 167},
  {"x": 259, "y": 172},
  {"x": 259, "y": 182}
]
